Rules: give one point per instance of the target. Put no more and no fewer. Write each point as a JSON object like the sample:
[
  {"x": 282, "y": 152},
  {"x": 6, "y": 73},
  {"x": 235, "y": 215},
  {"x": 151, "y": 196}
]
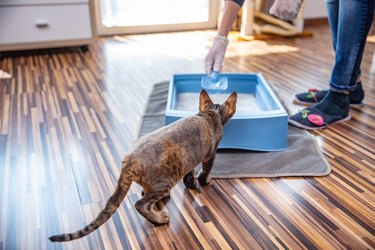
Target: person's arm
[
  {"x": 231, "y": 9},
  {"x": 215, "y": 56}
]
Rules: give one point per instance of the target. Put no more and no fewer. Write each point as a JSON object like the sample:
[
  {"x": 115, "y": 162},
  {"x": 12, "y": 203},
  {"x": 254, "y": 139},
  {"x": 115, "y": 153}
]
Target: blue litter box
[{"x": 263, "y": 128}]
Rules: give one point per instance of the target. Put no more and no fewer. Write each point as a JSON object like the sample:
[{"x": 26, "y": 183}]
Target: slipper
[
  {"x": 312, "y": 119},
  {"x": 310, "y": 97},
  {"x": 315, "y": 95}
]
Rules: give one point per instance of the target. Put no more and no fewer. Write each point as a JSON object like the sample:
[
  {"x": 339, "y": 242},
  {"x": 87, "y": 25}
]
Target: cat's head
[{"x": 225, "y": 110}]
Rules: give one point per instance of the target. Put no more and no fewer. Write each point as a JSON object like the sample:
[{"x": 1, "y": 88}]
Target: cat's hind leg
[
  {"x": 168, "y": 195},
  {"x": 145, "y": 206}
]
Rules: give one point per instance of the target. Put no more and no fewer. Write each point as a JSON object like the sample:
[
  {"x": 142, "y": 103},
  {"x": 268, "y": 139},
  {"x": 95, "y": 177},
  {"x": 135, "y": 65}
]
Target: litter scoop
[{"x": 214, "y": 81}]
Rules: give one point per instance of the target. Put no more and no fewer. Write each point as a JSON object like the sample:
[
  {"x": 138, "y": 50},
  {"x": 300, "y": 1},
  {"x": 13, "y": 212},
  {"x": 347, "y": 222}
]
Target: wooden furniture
[
  {"x": 38, "y": 24},
  {"x": 268, "y": 24}
]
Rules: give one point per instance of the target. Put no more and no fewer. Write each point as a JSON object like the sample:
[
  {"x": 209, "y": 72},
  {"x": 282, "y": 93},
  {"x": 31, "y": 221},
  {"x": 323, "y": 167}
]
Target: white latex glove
[
  {"x": 286, "y": 9},
  {"x": 215, "y": 57}
]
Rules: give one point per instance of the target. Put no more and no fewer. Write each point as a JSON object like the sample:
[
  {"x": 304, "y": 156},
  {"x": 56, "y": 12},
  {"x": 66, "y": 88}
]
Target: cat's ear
[
  {"x": 230, "y": 106},
  {"x": 204, "y": 100}
]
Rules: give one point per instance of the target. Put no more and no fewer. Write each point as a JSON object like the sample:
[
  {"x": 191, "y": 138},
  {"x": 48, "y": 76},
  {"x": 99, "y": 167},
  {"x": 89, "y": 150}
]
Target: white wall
[{"x": 315, "y": 9}]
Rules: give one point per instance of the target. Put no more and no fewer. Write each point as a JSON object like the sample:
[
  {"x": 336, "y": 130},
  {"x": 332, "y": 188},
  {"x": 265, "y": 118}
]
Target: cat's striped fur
[{"x": 162, "y": 158}]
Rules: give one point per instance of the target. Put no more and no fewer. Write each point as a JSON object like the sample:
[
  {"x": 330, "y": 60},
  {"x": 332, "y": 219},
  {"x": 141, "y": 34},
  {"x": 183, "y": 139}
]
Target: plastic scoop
[{"x": 214, "y": 81}]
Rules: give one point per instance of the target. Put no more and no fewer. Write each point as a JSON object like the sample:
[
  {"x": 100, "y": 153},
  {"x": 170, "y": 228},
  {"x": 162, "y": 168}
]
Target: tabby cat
[{"x": 162, "y": 158}]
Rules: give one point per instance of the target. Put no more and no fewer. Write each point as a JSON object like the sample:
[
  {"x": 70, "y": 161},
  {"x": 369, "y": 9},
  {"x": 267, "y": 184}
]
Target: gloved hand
[
  {"x": 215, "y": 56},
  {"x": 286, "y": 9}
]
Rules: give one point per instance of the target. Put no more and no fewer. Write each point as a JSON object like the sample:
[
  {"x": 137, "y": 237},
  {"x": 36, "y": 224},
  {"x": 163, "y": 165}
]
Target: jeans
[{"x": 350, "y": 22}]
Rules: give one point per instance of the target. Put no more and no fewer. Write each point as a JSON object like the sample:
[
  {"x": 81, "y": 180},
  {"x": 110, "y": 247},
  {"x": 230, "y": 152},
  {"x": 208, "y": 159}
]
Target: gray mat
[{"x": 302, "y": 158}]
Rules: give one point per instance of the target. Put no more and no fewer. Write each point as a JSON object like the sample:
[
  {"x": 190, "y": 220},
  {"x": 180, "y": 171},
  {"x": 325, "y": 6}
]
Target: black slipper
[
  {"x": 312, "y": 118},
  {"x": 311, "y": 97},
  {"x": 315, "y": 95}
]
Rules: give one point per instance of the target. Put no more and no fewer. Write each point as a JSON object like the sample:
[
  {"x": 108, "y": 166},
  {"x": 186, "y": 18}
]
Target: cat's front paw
[
  {"x": 190, "y": 184},
  {"x": 204, "y": 179},
  {"x": 189, "y": 181}
]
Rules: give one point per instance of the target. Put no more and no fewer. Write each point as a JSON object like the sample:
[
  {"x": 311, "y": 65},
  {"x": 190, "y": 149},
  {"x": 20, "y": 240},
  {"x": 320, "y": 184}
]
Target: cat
[{"x": 160, "y": 159}]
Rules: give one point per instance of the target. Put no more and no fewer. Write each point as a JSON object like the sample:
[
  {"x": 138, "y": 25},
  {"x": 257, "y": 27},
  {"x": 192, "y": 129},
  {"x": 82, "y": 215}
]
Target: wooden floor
[{"x": 67, "y": 118}]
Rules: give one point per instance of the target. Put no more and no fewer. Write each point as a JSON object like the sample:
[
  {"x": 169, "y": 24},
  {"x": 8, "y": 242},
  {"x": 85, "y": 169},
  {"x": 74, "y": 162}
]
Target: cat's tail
[{"x": 110, "y": 208}]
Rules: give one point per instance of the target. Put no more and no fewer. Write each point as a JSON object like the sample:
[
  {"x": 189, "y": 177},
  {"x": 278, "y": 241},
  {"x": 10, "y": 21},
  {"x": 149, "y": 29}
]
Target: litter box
[{"x": 263, "y": 126}]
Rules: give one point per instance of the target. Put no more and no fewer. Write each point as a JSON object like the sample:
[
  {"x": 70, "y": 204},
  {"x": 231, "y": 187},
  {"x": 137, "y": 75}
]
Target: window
[{"x": 138, "y": 16}]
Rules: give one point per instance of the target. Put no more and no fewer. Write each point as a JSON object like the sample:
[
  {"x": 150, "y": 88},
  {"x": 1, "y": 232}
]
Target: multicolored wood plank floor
[{"x": 67, "y": 118}]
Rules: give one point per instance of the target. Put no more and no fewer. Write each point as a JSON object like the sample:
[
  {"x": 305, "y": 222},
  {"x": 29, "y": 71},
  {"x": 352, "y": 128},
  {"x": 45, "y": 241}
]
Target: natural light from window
[{"x": 118, "y": 13}]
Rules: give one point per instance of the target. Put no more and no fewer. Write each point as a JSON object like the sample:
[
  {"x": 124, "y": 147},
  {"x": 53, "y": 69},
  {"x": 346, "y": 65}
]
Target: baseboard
[{"x": 316, "y": 21}]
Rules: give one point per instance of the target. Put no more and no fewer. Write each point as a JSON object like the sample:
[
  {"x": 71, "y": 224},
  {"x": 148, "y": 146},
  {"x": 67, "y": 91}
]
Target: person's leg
[
  {"x": 313, "y": 96},
  {"x": 332, "y": 7},
  {"x": 354, "y": 21}
]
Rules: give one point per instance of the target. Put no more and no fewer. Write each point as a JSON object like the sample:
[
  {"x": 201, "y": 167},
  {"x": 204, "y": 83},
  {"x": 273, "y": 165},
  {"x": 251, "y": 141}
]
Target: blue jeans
[{"x": 350, "y": 22}]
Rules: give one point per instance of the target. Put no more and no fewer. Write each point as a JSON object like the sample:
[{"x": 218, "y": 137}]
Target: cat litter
[{"x": 246, "y": 103}]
